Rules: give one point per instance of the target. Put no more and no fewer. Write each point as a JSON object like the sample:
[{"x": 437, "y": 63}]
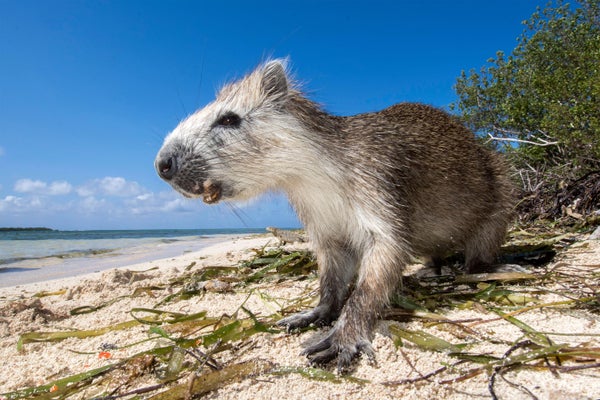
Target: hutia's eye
[{"x": 229, "y": 120}]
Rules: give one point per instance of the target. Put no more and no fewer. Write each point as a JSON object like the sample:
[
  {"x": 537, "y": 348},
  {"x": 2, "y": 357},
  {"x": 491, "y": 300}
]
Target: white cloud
[
  {"x": 9, "y": 202},
  {"x": 111, "y": 186},
  {"x": 112, "y": 196},
  {"x": 59, "y": 188},
  {"x": 21, "y": 204},
  {"x": 103, "y": 202},
  {"x": 29, "y": 186},
  {"x": 2, "y": 151},
  {"x": 55, "y": 188},
  {"x": 86, "y": 190},
  {"x": 178, "y": 205},
  {"x": 163, "y": 202},
  {"x": 142, "y": 197},
  {"x": 91, "y": 204}
]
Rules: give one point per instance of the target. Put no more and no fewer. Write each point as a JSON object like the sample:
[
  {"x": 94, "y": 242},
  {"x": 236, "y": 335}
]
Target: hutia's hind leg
[{"x": 482, "y": 248}]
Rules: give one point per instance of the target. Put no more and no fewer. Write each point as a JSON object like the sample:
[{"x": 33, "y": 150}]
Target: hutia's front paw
[{"x": 337, "y": 346}]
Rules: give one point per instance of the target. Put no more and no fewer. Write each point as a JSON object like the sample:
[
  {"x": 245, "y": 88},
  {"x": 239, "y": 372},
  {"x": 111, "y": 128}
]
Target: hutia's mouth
[
  {"x": 212, "y": 192},
  {"x": 209, "y": 191}
]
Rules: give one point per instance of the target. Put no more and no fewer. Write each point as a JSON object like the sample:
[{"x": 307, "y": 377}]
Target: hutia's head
[{"x": 222, "y": 151}]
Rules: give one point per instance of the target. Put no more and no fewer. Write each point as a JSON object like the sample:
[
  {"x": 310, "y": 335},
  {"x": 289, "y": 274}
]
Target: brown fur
[{"x": 372, "y": 190}]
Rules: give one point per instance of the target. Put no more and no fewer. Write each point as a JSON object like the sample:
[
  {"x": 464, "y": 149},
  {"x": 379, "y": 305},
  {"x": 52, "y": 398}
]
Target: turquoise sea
[
  {"x": 20, "y": 245},
  {"x": 28, "y": 256}
]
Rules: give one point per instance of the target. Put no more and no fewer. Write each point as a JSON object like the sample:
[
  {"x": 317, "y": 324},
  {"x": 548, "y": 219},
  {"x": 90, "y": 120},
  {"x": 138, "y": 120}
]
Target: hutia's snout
[
  {"x": 166, "y": 166},
  {"x": 188, "y": 178}
]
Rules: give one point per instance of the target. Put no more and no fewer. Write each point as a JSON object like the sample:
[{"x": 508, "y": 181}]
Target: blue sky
[{"x": 89, "y": 89}]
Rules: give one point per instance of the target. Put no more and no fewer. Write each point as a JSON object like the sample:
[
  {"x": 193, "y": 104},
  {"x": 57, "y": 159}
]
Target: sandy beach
[{"x": 560, "y": 314}]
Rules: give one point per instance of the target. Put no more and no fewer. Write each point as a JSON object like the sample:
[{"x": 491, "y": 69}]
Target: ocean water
[
  {"x": 21, "y": 245},
  {"x": 28, "y": 256}
]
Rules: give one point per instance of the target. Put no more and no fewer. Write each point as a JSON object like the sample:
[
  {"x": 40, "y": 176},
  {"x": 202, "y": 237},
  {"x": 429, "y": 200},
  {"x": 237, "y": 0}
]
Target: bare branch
[{"x": 538, "y": 141}]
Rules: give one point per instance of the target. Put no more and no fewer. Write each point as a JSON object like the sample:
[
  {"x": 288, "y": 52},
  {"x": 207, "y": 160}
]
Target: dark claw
[
  {"x": 317, "y": 348},
  {"x": 297, "y": 321},
  {"x": 345, "y": 358},
  {"x": 367, "y": 350},
  {"x": 323, "y": 357}
]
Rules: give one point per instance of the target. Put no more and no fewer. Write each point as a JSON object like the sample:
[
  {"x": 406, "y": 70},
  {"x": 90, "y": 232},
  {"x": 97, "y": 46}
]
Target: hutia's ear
[{"x": 274, "y": 81}]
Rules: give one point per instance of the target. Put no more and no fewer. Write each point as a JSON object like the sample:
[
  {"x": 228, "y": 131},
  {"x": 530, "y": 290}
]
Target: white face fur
[
  {"x": 246, "y": 142},
  {"x": 223, "y": 150}
]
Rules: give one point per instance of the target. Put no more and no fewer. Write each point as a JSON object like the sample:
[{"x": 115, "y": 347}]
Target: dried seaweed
[
  {"x": 318, "y": 374},
  {"x": 32, "y": 337},
  {"x": 198, "y": 385},
  {"x": 422, "y": 339},
  {"x": 505, "y": 296}
]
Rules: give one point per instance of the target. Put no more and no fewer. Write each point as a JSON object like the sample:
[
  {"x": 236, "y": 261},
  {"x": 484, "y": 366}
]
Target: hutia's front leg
[
  {"x": 379, "y": 274},
  {"x": 337, "y": 267}
]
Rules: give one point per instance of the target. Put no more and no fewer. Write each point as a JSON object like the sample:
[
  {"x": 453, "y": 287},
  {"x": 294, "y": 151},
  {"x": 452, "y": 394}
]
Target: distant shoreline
[{"x": 25, "y": 229}]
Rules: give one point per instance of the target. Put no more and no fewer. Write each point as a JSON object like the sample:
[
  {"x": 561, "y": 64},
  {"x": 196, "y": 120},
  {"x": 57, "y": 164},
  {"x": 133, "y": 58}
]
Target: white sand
[{"x": 40, "y": 363}]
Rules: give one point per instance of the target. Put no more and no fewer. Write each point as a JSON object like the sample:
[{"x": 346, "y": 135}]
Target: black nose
[{"x": 166, "y": 167}]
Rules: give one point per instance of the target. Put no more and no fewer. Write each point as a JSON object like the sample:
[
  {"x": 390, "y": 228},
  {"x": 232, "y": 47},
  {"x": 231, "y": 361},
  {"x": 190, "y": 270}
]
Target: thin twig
[
  {"x": 519, "y": 387},
  {"x": 540, "y": 142},
  {"x": 423, "y": 377},
  {"x": 498, "y": 369},
  {"x": 133, "y": 392}
]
